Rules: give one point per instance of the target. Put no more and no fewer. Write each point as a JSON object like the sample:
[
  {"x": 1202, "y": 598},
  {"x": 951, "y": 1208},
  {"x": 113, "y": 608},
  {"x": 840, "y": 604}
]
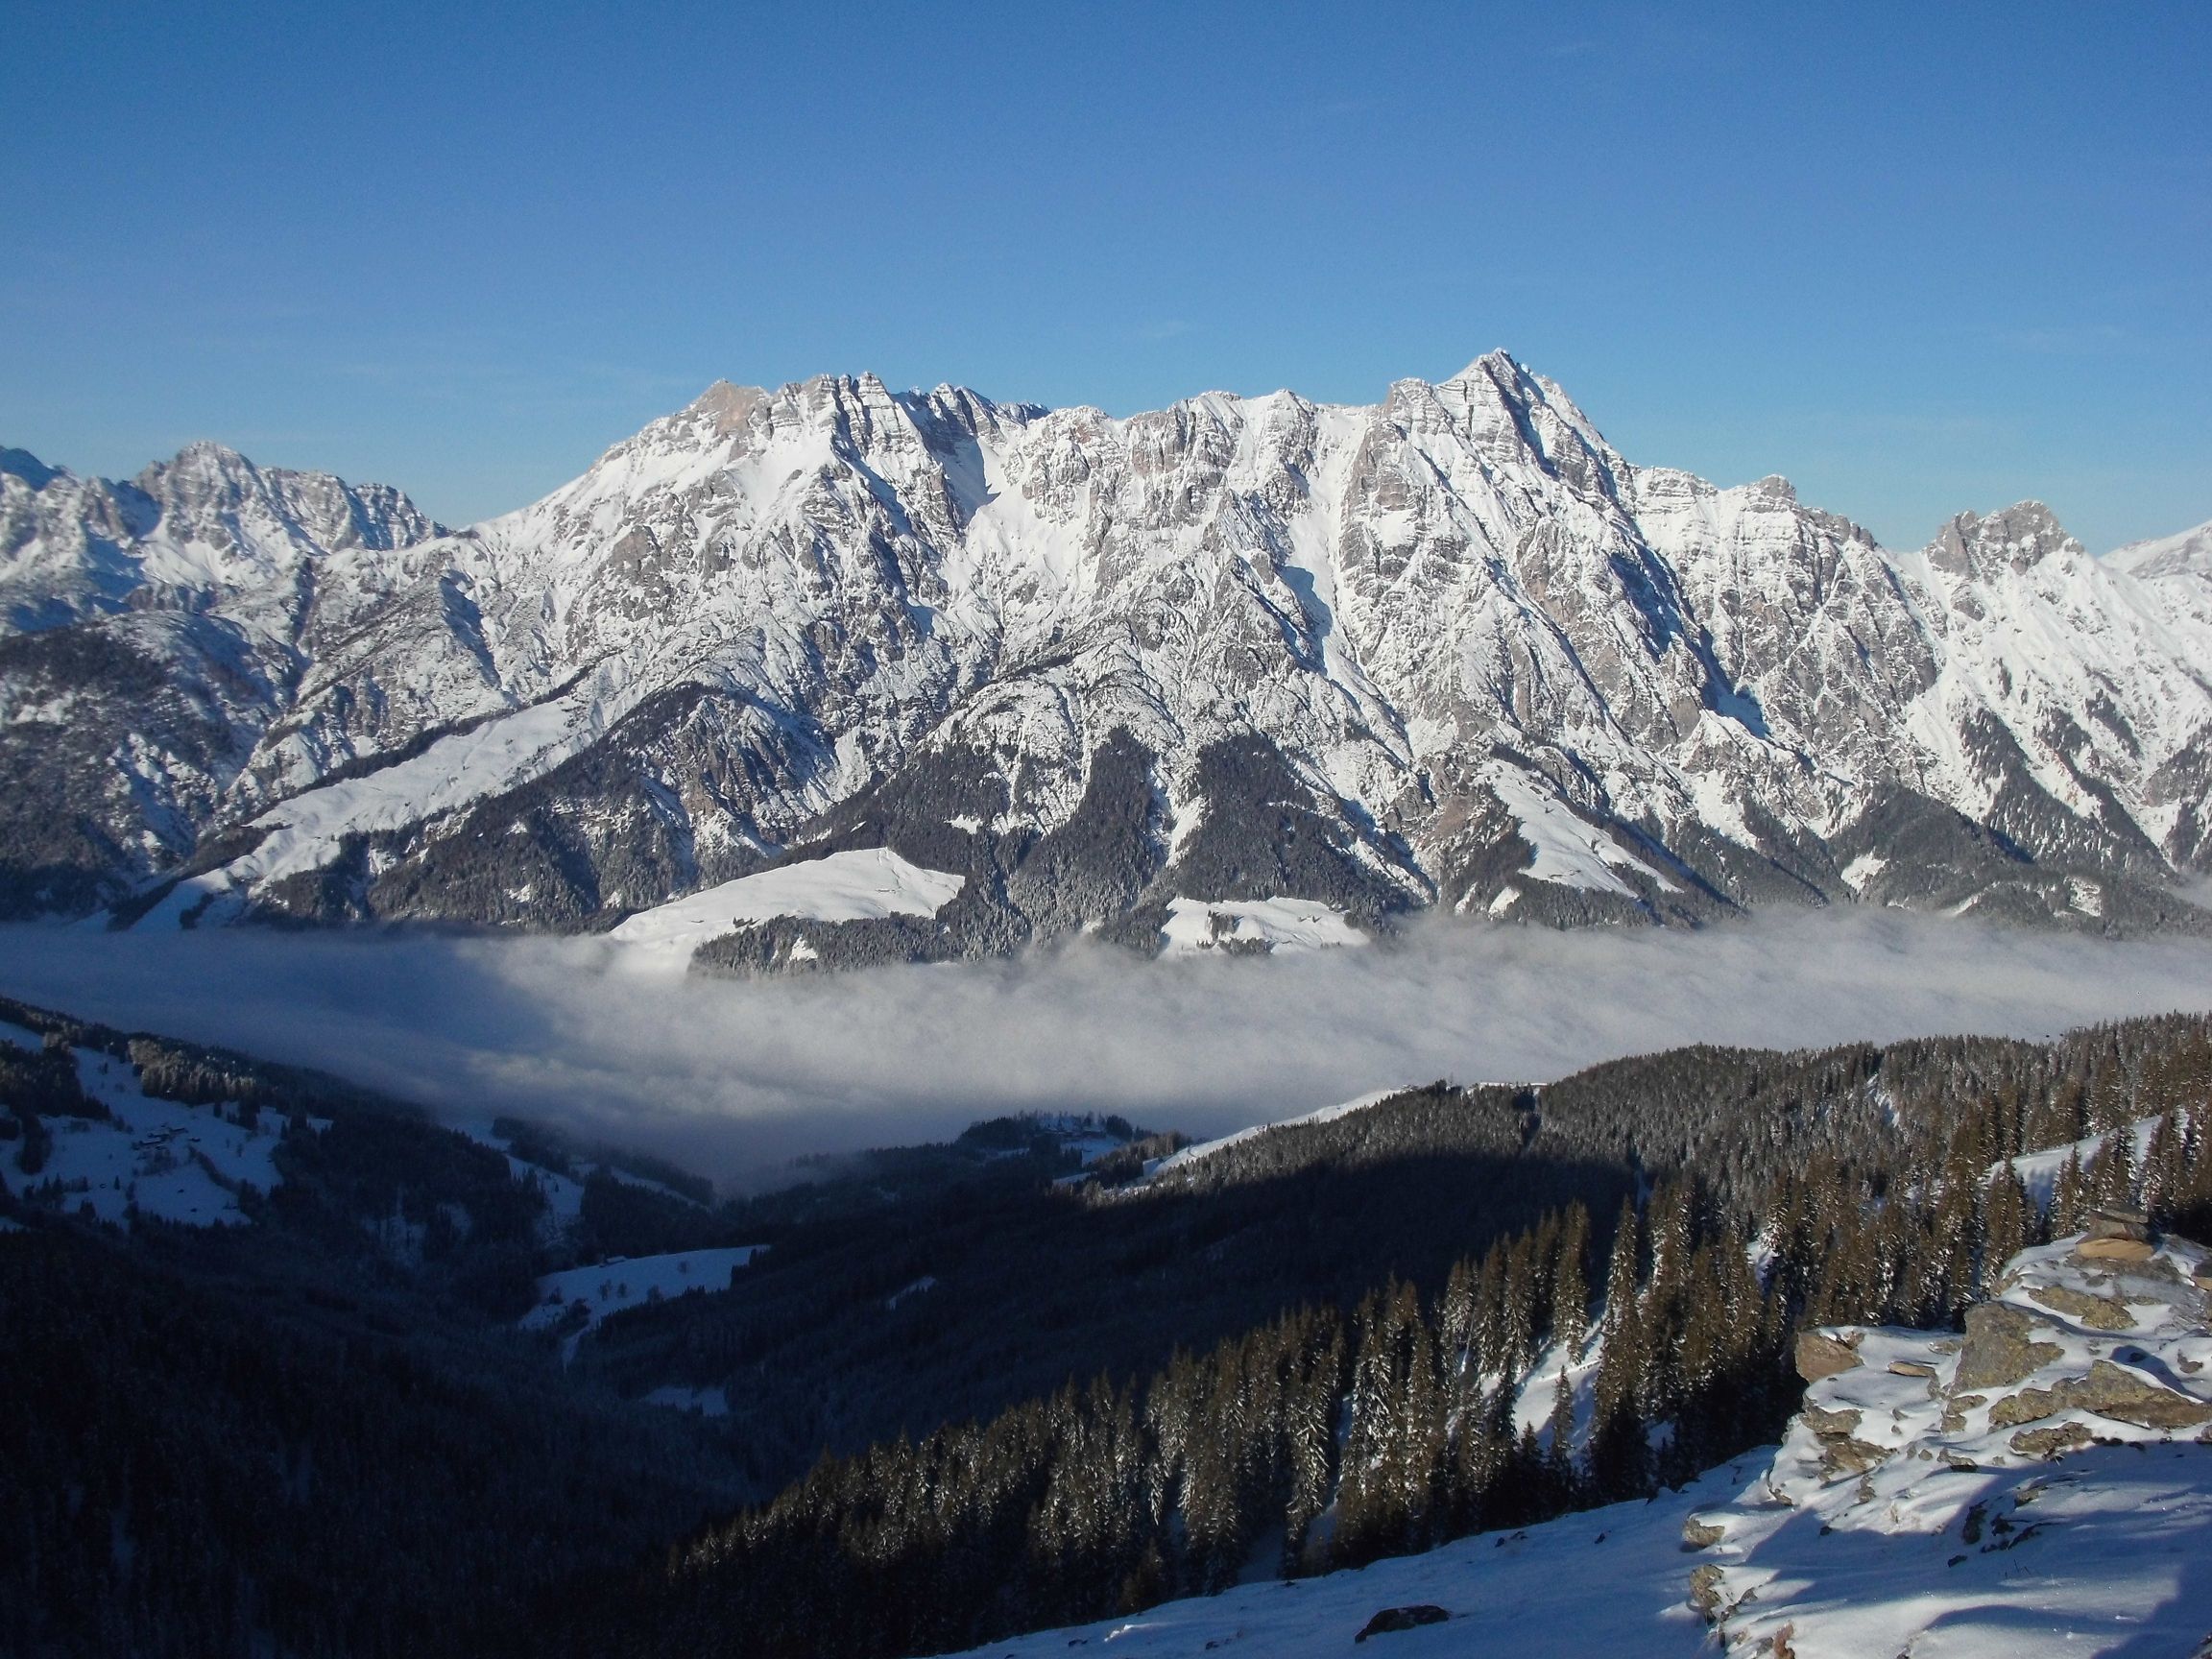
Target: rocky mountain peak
[
  {"x": 23, "y": 465},
  {"x": 1496, "y": 367},
  {"x": 729, "y": 407},
  {"x": 2017, "y": 539},
  {"x": 2188, "y": 554}
]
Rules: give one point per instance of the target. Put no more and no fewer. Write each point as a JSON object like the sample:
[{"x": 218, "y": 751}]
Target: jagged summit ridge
[{"x": 1449, "y": 649}]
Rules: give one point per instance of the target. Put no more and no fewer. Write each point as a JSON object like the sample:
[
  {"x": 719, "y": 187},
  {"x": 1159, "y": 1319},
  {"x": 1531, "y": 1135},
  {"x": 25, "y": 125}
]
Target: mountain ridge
[{"x": 1450, "y": 650}]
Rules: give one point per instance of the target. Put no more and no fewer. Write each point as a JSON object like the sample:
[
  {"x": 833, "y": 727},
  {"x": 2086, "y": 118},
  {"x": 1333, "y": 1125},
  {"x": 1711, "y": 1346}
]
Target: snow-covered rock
[{"x": 2036, "y": 1485}]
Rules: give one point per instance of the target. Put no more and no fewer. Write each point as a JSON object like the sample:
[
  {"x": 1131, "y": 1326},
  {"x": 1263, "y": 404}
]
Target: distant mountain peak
[
  {"x": 1496, "y": 363},
  {"x": 2017, "y": 537},
  {"x": 22, "y": 464}
]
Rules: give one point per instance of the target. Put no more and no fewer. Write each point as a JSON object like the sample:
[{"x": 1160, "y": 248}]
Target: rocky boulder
[{"x": 1393, "y": 1619}]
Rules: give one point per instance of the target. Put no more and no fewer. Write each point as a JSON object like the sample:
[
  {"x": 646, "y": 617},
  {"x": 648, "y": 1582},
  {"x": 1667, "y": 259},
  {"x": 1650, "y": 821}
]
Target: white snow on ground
[
  {"x": 180, "y": 1163},
  {"x": 1196, "y": 925},
  {"x": 843, "y": 887},
  {"x": 22, "y": 1036},
  {"x": 1570, "y": 852},
  {"x": 1604, "y": 1582},
  {"x": 1207, "y": 1148},
  {"x": 1539, "y": 1390},
  {"x": 612, "y": 1287}
]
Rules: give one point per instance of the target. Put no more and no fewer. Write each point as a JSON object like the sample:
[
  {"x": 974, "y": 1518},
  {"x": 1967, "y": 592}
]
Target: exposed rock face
[
  {"x": 2073, "y": 1353},
  {"x": 1449, "y": 649},
  {"x": 2097, "y": 1313},
  {"x": 2107, "y": 1391},
  {"x": 2116, "y": 1250},
  {"x": 1699, "y": 1534}
]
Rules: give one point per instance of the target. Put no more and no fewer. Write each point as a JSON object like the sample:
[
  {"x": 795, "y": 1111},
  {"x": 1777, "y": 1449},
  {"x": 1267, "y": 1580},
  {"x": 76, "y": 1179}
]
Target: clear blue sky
[{"x": 1918, "y": 258}]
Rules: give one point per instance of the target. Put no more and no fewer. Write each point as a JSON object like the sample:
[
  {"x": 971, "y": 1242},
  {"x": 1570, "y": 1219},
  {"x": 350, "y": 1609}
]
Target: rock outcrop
[{"x": 1921, "y": 1433}]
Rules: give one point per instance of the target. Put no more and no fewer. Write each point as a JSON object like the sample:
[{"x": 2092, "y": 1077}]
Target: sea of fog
[{"x": 736, "y": 1077}]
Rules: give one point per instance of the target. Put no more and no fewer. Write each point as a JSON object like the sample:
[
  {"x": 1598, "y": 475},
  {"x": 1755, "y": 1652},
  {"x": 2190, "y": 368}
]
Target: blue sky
[{"x": 1917, "y": 258}]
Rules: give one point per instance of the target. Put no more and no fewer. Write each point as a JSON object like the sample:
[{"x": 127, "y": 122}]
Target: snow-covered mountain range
[{"x": 1101, "y": 673}]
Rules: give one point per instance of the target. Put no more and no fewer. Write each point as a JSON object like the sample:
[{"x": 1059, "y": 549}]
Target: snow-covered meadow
[{"x": 187, "y": 1165}]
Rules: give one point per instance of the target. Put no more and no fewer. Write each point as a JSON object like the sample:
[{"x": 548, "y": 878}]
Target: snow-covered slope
[
  {"x": 584, "y": 1296},
  {"x": 147, "y": 1156},
  {"x": 843, "y": 887},
  {"x": 1119, "y": 674},
  {"x": 1604, "y": 1581}
]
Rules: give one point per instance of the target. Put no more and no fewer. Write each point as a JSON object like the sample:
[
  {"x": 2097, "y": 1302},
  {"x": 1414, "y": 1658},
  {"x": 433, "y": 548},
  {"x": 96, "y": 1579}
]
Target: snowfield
[
  {"x": 1197, "y": 925},
  {"x": 186, "y": 1165},
  {"x": 843, "y": 887},
  {"x": 611, "y": 1286}
]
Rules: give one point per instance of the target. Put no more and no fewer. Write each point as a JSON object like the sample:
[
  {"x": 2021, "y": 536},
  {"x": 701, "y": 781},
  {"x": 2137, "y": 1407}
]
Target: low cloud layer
[{"x": 736, "y": 1077}]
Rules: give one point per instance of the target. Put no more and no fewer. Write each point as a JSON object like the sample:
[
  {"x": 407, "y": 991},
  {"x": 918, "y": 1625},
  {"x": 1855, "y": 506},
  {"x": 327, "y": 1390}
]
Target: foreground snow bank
[{"x": 1606, "y": 1581}]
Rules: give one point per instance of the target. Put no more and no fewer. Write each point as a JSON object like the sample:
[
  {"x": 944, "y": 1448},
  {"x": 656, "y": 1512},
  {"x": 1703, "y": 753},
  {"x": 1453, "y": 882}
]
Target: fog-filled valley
[{"x": 733, "y": 1078}]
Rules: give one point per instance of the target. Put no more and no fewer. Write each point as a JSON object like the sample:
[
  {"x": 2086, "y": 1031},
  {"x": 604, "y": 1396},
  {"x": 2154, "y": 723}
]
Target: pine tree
[
  {"x": 1570, "y": 1281},
  {"x": 2069, "y": 1198},
  {"x": 2006, "y": 1225}
]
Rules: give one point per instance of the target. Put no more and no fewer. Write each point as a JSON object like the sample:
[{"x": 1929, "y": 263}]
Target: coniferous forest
[{"x": 968, "y": 1397}]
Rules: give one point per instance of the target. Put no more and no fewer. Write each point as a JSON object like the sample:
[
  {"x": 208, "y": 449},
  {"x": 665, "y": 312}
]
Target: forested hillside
[
  {"x": 1865, "y": 1185},
  {"x": 1050, "y": 1391}
]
